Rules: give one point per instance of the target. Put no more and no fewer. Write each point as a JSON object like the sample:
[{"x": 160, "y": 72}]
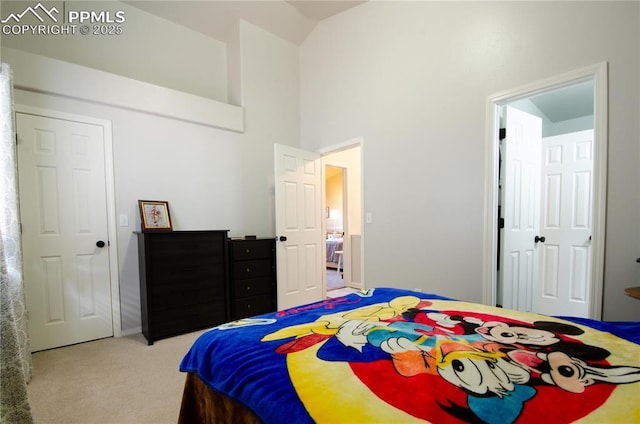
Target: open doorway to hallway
[
  {"x": 545, "y": 273},
  {"x": 335, "y": 198},
  {"x": 342, "y": 219}
]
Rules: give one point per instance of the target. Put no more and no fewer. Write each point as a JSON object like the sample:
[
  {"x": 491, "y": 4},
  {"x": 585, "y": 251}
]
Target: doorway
[
  {"x": 342, "y": 206},
  {"x": 335, "y": 226},
  {"x": 546, "y": 95},
  {"x": 300, "y": 207},
  {"x": 68, "y": 229}
]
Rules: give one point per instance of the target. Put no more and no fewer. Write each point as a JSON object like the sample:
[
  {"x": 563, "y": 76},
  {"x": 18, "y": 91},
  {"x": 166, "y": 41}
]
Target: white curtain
[{"x": 15, "y": 356}]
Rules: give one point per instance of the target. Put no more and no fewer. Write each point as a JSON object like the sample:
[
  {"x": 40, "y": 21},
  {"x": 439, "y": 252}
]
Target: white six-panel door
[
  {"x": 298, "y": 189},
  {"x": 520, "y": 199},
  {"x": 63, "y": 209},
  {"x": 565, "y": 257}
]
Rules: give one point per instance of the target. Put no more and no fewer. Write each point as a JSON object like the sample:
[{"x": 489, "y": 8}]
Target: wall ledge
[{"x": 44, "y": 75}]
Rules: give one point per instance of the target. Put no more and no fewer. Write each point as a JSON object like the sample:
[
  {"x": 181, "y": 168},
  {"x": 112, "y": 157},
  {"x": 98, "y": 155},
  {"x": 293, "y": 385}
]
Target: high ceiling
[{"x": 292, "y": 20}]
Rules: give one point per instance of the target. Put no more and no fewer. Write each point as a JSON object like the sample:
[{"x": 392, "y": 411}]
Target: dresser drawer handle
[
  {"x": 248, "y": 288},
  {"x": 248, "y": 305},
  {"x": 248, "y": 269},
  {"x": 248, "y": 251}
]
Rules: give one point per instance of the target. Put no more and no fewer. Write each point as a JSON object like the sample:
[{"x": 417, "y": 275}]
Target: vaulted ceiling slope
[{"x": 292, "y": 20}]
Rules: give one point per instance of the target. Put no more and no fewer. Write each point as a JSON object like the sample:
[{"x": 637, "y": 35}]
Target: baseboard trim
[{"x": 131, "y": 331}]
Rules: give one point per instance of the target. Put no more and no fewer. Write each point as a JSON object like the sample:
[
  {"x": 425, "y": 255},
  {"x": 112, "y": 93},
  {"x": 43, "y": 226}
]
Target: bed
[
  {"x": 396, "y": 356},
  {"x": 333, "y": 245}
]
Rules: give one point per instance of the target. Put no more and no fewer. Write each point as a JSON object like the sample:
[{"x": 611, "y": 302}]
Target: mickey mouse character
[{"x": 570, "y": 373}]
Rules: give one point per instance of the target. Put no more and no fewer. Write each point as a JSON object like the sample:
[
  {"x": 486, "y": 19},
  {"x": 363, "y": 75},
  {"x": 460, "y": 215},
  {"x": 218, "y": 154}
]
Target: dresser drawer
[
  {"x": 179, "y": 320},
  {"x": 253, "y": 305},
  {"x": 252, "y": 287},
  {"x": 175, "y": 246},
  {"x": 178, "y": 295},
  {"x": 185, "y": 274},
  {"x": 252, "y": 269},
  {"x": 242, "y": 250}
]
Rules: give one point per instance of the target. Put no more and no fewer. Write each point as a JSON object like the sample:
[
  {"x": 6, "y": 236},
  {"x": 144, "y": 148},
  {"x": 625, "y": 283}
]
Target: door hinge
[{"x": 502, "y": 134}]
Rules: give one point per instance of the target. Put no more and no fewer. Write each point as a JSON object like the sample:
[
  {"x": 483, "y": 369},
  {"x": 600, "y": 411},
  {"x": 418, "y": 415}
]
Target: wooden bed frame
[{"x": 201, "y": 404}]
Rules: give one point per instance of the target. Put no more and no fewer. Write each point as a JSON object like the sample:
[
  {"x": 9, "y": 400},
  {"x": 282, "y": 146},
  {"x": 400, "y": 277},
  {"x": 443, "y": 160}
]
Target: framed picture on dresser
[{"x": 154, "y": 215}]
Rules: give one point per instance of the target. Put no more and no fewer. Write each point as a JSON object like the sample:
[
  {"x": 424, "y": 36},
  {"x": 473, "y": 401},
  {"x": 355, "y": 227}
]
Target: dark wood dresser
[
  {"x": 184, "y": 281},
  {"x": 253, "y": 276}
]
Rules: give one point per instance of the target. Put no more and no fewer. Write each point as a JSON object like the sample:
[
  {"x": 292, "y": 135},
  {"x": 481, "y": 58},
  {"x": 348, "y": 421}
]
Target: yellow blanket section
[{"x": 320, "y": 383}]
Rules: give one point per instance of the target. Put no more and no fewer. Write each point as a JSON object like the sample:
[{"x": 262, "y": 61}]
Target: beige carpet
[
  {"x": 333, "y": 280},
  {"x": 109, "y": 381}
]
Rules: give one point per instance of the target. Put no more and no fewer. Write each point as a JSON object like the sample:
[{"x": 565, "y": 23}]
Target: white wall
[
  {"x": 270, "y": 95},
  {"x": 212, "y": 178},
  {"x": 149, "y": 48},
  {"x": 412, "y": 78}
]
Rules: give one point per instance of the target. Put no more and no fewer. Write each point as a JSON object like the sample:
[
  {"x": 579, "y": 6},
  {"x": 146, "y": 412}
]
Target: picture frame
[{"x": 154, "y": 215}]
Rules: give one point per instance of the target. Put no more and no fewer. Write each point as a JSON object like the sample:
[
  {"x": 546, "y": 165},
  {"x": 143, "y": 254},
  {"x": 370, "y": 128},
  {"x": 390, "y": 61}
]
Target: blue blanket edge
[{"x": 628, "y": 330}]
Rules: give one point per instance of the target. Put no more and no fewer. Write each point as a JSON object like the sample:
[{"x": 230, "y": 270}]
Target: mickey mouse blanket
[{"x": 397, "y": 356}]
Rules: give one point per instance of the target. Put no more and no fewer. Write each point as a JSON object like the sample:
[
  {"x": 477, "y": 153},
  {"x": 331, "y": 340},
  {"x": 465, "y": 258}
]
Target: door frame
[
  {"x": 110, "y": 198},
  {"x": 327, "y": 151},
  {"x": 599, "y": 73}
]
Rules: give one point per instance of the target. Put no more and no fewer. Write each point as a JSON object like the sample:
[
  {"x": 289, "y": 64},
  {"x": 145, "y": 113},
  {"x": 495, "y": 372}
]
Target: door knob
[
  {"x": 100, "y": 244},
  {"x": 283, "y": 238},
  {"x": 539, "y": 239}
]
